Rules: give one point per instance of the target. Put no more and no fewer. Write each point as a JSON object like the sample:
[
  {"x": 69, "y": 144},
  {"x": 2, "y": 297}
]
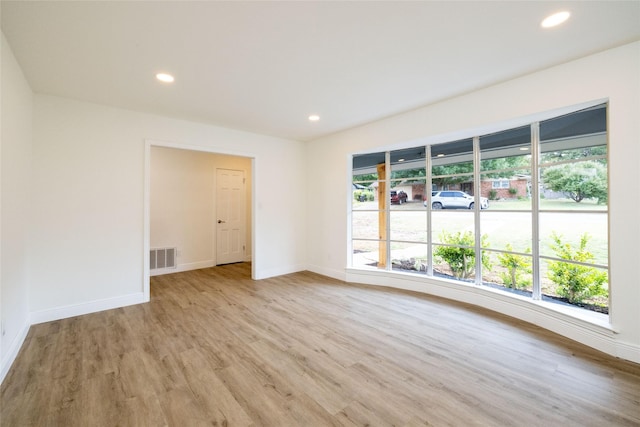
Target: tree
[
  {"x": 508, "y": 163},
  {"x": 579, "y": 181}
]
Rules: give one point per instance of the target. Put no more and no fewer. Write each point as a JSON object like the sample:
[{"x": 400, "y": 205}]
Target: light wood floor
[{"x": 215, "y": 348}]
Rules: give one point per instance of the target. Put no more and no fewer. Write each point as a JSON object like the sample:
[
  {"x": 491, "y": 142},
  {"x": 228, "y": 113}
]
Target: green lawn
[{"x": 408, "y": 222}]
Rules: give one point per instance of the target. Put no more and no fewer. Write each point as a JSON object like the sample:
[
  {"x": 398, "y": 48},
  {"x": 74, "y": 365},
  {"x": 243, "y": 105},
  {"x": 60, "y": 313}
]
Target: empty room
[{"x": 314, "y": 213}]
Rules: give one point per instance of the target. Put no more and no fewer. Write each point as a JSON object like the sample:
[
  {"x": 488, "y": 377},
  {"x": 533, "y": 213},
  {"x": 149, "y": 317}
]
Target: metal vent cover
[{"x": 162, "y": 258}]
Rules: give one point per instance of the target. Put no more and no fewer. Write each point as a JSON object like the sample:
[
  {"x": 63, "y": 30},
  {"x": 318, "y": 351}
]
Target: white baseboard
[
  {"x": 13, "y": 351},
  {"x": 590, "y": 329},
  {"x": 628, "y": 351},
  {"x": 183, "y": 267},
  {"x": 85, "y": 308},
  {"x": 329, "y": 272},
  {"x": 279, "y": 271}
]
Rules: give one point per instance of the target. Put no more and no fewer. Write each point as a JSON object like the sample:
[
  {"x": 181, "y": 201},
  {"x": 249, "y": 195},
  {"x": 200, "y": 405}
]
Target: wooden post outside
[{"x": 383, "y": 199}]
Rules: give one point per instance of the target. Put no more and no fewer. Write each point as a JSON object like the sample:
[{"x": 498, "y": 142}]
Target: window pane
[
  {"x": 510, "y": 271},
  {"x": 579, "y": 130},
  {"x": 407, "y": 194},
  {"x": 505, "y": 160},
  {"x": 579, "y": 135},
  {"x": 456, "y": 263},
  {"x": 456, "y": 260},
  {"x": 445, "y": 223},
  {"x": 507, "y": 231},
  {"x": 513, "y": 193},
  {"x": 510, "y": 149},
  {"x": 364, "y": 195},
  {"x": 580, "y": 185},
  {"x": 575, "y": 285},
  {"x": 570, "y": 229},
  {"x": 408, "y": 178},
  {"x": 409, "y": 257},
  {"x": 364, "y": 164},
  {"x": 366, "y": 181},
  {"x": 452, "y": 164},
  {"x": 409, "y": 225},
  {"x": 459, "y": 198},
  {"x": 365, "y": 225},
  {"x": 365, "y": 253}
]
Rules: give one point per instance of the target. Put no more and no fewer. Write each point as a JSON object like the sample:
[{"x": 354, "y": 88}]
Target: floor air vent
[{"x": 162, "y": 258}]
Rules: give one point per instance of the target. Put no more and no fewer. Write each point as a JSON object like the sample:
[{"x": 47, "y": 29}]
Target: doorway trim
[{"x": 146, "y": 245}]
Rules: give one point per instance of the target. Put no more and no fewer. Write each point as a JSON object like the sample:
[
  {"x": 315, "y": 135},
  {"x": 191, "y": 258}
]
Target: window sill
[{"x": 514, "y": 305}]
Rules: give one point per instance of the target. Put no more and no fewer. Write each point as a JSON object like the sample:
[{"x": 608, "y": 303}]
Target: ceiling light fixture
[
  {"x": 401, "y": 160},
  {"x": 314, "y": 118},
  {"x": 164, "y": 77},
  {"x": 440, "y": 155},
  {"x": 524, "y": 148},
  {"x": 555, "y": 19}
]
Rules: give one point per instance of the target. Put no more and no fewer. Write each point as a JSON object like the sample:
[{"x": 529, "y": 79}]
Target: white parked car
[{"x": 454, "y": 199}]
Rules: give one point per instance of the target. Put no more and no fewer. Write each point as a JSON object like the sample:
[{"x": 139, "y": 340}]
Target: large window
[{"x": 523, "y": 210}]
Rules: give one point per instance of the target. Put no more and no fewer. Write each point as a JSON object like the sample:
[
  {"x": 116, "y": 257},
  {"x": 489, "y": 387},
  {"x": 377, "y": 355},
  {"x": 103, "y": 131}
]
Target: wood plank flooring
[{"x": 215, "y": 348}]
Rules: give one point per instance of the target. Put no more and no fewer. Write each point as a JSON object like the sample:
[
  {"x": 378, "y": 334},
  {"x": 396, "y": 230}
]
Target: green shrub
[
  {"x": 516, "y": 265},
  {"x": 576, "y": 282},
  {"x": 493, "y": 194},
  {"x": 461, "y": 260},
  {"x": 363, "y": 195},
  {"x": 513, "y": 191}
]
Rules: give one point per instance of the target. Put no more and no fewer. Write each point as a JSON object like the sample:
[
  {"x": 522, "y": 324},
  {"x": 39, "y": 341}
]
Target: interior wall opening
[{"x": 198, "y": 210}]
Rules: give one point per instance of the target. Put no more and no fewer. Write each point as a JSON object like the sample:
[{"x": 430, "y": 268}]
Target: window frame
[{"x": 536, "y": 165}]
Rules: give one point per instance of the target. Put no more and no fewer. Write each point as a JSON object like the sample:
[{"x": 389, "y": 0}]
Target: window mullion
[
  {"x": 387, "y": 206},
  {"x": 427, "y": 196},
  {"x": 476, "y": 210},
  {"x": 535, "y": 210}
]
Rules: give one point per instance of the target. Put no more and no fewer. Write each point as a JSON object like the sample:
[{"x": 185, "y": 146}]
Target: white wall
[
  {"x": 182, "y": 203},
  {"x": 613, "y": 75},
  {"x": 88, "y": 190},
  {"x": 15, "y": 153}
]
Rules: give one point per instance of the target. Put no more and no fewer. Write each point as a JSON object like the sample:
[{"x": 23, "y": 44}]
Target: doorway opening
[{"x": 199, "y": 202}]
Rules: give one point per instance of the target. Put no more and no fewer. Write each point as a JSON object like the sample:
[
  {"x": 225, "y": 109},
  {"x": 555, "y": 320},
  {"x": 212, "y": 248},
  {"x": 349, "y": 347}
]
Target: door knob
[{"x": 220, "y": 221}]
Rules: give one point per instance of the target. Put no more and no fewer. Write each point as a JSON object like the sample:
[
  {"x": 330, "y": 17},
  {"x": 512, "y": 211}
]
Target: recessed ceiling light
[
  {"x": 440, "y": 155},
  {"x": 524, "y": 148},
  {"x": 555, "y": 19},
  {"x": 314, "y": 118},
  {"x": 164, "y": 77},
  {"x": 401, "y": 160}
]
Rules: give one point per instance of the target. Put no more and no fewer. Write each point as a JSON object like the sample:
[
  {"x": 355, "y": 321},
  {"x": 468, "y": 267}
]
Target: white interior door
[{"x": 230, "y": 220}]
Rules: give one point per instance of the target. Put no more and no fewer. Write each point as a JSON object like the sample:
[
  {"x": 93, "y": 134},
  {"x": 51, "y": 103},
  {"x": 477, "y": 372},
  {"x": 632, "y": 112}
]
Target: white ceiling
[{"x": 265, "y": 67}]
